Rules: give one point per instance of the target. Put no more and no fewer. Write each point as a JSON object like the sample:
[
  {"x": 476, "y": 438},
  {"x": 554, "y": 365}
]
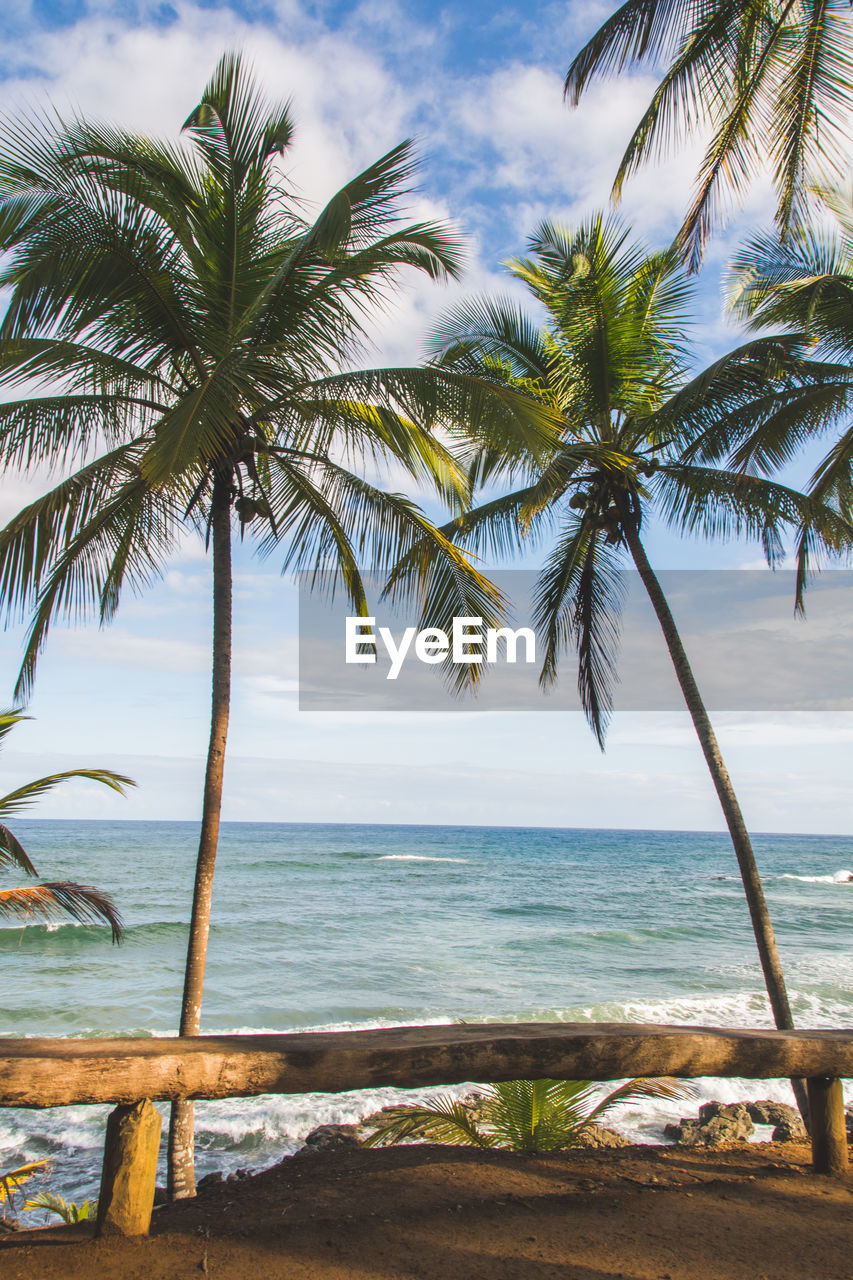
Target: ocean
[{"x": 343, "y": 926}]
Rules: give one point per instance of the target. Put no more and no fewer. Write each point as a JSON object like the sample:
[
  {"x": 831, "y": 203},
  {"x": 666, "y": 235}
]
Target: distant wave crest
[
  {"x": 838, "y": 877},
  {"x": 414, "y": 857}
]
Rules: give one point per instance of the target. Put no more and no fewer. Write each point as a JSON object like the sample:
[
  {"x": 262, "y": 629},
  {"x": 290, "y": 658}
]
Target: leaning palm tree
[
  {"x": 611, "y": 360},
  {"x": 197, "y": 332},
  {"x": 56, "y": 898},
  {"x": 802, "y": 283},
  {"x": 771, "y": 79}
]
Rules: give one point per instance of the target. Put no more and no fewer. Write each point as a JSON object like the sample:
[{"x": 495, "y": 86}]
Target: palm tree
[
  {"x": 517, "y": 1115},
  {"x": 773, "y": 82},
  {"x": 54, "y": 898},
  {"x": 198, "y": 331},
  {"x": 802, "y": 283},
  {"x": 611, "y": 359}
]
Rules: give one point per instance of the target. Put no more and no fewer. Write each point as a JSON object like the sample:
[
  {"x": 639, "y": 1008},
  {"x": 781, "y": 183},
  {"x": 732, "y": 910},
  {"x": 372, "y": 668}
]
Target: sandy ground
[{"x": 640, "y": 1213}]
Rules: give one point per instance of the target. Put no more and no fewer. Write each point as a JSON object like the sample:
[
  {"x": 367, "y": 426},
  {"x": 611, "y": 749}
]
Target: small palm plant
[
  {"x": 68, "y": 1210},
  {"x": 517, "y": 1115},
  {"x": 58, "y": 897}
]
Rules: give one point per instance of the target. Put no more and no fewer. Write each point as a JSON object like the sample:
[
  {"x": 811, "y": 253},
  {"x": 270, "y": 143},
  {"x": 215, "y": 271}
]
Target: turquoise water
[{"x": 353, "y": 926}]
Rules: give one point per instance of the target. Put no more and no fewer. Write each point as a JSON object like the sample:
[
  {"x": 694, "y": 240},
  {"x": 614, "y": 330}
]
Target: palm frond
[
  {"x": 638, "y": 30},
  {"x": 12, "y": 1180},
  {"x": 68, "y": 1210},
  {"x": 577, "y": 603},
  {"x": 14, "y": 801},
  {"x": 771, "y": 81},
  {"x": 722, "y": 504},
  {"x": 682, "y": 97},
  {"x": 55, "y": 898},
  {"x": 814, "y": 100},
  {"x": 490, "y": 327},
  {"x": 12, "y": 852},
  {"x": 733, "y": 157},
  {"x": 661, "y": 1088},
  {"x": 446, "y": 1121}
]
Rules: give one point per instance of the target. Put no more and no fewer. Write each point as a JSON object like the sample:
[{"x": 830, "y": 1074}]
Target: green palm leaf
[
  {"x": 46, "y": 901},
  {"x": 516, "y": 1115},
  {"x": 14, "y": 801},
  {"x": 773, "y": 82},
  {"x": 446, "y": 1121}
]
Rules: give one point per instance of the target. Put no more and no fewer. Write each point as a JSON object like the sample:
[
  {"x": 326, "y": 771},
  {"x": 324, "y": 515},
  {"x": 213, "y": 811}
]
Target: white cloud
[
  {"x": 504, "y": 152},
  {"x": 118, "y": 647},
  {"x": 797, "y": 729}
]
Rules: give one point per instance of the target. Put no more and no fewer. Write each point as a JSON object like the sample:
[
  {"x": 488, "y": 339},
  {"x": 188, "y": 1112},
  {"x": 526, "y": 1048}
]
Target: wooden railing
[{"x": 55, "y": 1073}]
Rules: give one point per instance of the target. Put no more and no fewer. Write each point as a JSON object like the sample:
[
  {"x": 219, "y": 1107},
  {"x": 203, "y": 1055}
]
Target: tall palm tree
[
  {"x": 771, "y": 79},
  {"x": 802, "y": 283},
  {"x": 54, "y": 898},
  {"x": 612, "y": 360},
  {"x": 200, "y": 333}
]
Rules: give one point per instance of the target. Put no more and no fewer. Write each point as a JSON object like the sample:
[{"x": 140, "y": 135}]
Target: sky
[{"x": 480, "y": 88}]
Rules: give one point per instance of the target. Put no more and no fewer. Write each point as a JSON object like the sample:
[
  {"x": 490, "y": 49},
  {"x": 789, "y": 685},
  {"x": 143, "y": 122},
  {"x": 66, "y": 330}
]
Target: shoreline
[{"x": 743, "y": 1212}]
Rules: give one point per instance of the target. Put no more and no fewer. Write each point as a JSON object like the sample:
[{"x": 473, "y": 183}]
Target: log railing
[{"x": 55, "y": 1073}]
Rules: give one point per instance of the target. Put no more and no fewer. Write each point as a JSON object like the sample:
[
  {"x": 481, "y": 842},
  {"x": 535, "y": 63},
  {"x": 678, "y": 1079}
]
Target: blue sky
[{"x": 480, "y": 87}]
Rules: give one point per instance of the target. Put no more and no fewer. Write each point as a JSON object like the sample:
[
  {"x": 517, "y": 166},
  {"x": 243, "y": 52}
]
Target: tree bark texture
[
  {"x": 181, "y": 1162},
  {"x": 61, "y": 1073},
  {"x": 761, "y": 924}
]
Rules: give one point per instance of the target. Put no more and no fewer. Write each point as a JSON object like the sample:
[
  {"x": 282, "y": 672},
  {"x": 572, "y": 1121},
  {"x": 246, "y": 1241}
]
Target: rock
[
  {"x": 129, "y": 1170},
  {"x": 719, "y": 1123},
  {"x": 210, "y": 1180},
  {"x": 161, "y": 1196},
  {"x": 766, "y": 1112},
  {"x": 334, "y": 1137},
  {"x": 790, "y": 1130},
  {"x": 238, "y": 1175},
  {"x": 687, "y": 1132},
  {"x": 735, "y": 1111},
  {"x": 375, "y": 1119},
  {"x": 11, "y": 1224},
  {"x": 598, "y": 1138},
  {"x": 473, "y": 1103}
]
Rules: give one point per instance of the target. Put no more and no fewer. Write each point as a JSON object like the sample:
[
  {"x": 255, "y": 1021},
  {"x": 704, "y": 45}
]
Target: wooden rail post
[
  {"x": 828, "y": 1125},
  {"x": 130, "y": 1170}
]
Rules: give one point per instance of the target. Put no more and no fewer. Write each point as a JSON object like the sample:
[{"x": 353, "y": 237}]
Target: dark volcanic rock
[
  {"x": 333, "y": 1137},
  {"x": 791, "y": 1130},
  {"x": 766, "y": 1112},
  {"x": 719, "y": 1123},
  {"x": 209, "y": 1180}
]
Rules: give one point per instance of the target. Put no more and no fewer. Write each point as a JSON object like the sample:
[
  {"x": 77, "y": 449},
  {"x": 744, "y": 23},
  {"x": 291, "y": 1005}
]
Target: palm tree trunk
[
  {"x": 181, "y": 1173},
  {"x": 761, "y": 925}
]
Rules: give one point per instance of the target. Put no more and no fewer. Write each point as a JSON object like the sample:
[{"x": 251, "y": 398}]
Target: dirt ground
[{"x": 437, "y": 1213}]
